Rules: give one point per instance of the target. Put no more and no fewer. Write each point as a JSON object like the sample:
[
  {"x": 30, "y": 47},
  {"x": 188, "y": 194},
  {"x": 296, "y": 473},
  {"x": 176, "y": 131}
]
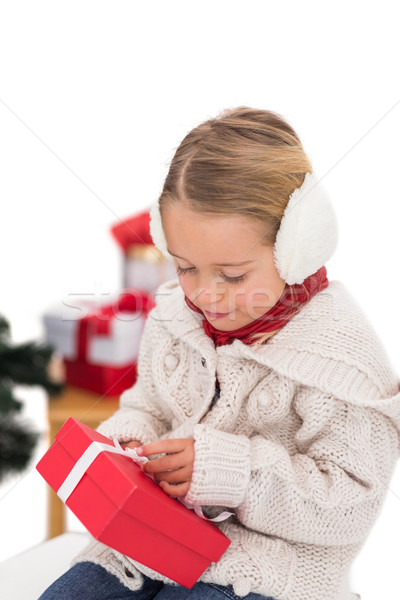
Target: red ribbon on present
[{"x": 99, "y": 322}]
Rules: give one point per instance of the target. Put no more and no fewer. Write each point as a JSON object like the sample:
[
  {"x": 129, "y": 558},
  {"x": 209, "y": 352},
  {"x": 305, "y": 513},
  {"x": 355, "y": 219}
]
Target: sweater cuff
[
  {"x": 221, "y": 470},
  {"x": 127, "y": 427}
]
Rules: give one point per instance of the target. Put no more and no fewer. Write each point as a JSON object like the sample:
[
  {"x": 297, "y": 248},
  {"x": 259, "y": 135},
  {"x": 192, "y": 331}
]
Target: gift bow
[{"x": 92, "y": 452}]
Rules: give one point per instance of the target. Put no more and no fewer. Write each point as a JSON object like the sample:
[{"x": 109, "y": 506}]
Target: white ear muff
[
  {"x": 308, "y": 233},
  {"x": 156, "y": 230}
]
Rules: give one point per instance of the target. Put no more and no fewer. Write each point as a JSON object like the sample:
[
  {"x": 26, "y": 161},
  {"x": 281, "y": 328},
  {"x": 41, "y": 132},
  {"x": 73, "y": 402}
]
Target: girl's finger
[
  {"x": 179, "y": 476},
  {"x": 163, "y": 447},
  {"x": 165, "y": 463},
  {"x": 131, "y": 444},
  {"x": 176, "y": 491}
]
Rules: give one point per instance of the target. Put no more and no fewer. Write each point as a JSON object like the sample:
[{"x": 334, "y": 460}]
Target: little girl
[{"x": 262, "y": 387}]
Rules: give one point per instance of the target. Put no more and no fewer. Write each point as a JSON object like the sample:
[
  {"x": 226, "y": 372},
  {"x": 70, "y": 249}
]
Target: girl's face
[{"x": 222, "y": 266}]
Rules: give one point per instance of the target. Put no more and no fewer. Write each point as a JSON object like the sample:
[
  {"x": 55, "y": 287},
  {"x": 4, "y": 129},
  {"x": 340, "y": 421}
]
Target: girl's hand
[
  {"x": 174, "y": 470},
  {"x": 131, "y": 444}
]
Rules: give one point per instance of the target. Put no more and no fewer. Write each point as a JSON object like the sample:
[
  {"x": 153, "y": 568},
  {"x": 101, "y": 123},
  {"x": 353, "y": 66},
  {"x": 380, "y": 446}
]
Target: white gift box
[
  {"x": 145, "y": 268},
  {"x": 115, "y": 347}
]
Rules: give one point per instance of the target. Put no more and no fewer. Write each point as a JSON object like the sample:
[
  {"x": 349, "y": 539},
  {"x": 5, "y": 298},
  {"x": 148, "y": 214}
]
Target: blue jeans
[{"x": 89, "y": 581}]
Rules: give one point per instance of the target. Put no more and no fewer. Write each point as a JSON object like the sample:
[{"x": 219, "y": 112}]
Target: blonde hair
[{"x": 244, "y": 161}]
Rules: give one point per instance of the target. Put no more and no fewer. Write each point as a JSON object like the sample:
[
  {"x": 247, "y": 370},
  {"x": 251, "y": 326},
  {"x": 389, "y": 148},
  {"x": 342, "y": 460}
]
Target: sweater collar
[{"x": 309, "y": 349}]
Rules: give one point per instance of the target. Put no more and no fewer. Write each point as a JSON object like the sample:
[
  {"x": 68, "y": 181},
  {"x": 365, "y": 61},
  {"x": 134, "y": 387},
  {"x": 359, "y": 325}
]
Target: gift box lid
[{"x": 130, "y": 489}]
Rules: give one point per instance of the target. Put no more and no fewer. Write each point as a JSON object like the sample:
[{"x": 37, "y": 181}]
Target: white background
[{"x": 94, "y": 99}]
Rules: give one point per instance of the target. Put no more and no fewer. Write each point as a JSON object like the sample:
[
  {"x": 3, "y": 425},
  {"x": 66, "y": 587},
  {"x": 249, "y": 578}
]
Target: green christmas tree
[{"x": 26, "y": 364}]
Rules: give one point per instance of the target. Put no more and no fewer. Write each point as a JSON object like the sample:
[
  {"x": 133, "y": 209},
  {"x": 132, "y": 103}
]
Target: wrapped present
[
  {"x": 144, "y": 265},
  {"x": 127, "y": 510},
  {"x": 100, "y": 344}
]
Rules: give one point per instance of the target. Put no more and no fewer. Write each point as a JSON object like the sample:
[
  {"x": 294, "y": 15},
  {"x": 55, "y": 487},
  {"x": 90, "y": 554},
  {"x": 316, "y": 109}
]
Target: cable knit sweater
[{"x": 302, "y": 442}]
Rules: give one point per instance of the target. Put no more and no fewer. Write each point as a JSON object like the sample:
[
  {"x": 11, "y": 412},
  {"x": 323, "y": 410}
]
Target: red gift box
[
  {"x": 105, "y": 380},
  {"x": 125, "y": 509}
]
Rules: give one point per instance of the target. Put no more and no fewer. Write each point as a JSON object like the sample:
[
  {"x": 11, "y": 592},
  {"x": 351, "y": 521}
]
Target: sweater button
[
  {"x": 171, "y": 361},
  {"x": 203, "y": 362},
  {"x": 128, "y": 573},
  {"x": 242, "y": 586}
]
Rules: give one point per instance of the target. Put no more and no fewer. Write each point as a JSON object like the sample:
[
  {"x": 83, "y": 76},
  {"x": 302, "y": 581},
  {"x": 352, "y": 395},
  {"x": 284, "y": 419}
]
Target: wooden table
[{"x": 91, "y": 409}]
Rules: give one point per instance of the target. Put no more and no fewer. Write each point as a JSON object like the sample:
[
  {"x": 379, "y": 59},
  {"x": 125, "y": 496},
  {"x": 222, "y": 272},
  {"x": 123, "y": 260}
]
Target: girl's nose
[{"x": 207, "y": 295}]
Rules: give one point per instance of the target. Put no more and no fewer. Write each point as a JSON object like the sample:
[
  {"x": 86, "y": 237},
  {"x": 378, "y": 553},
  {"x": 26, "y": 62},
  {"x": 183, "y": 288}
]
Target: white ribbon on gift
[
  {"x": 199, "y": 512},
  {"x": 86, "y": 459},
  {"x": 93, "y": 451}
]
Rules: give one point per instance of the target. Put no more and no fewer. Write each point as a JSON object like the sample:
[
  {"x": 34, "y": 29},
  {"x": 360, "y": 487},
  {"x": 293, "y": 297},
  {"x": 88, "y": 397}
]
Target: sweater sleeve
[
  {"x": 329, "y": 492},
  {"x": 140, "y": 416}
]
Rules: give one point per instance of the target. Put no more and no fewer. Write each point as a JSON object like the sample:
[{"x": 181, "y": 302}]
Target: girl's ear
[
  {"x": 156, "y": 230},
  {"x": 308, "y": 233}
]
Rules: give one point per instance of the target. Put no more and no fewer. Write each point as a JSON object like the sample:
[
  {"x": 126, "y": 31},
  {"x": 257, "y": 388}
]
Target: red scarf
[{"x": 289, "y": 304}]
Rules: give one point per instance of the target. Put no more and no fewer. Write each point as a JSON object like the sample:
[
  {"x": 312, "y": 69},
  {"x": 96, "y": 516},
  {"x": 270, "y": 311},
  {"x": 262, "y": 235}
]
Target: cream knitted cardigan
[{"x": 302, "y": 443}]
